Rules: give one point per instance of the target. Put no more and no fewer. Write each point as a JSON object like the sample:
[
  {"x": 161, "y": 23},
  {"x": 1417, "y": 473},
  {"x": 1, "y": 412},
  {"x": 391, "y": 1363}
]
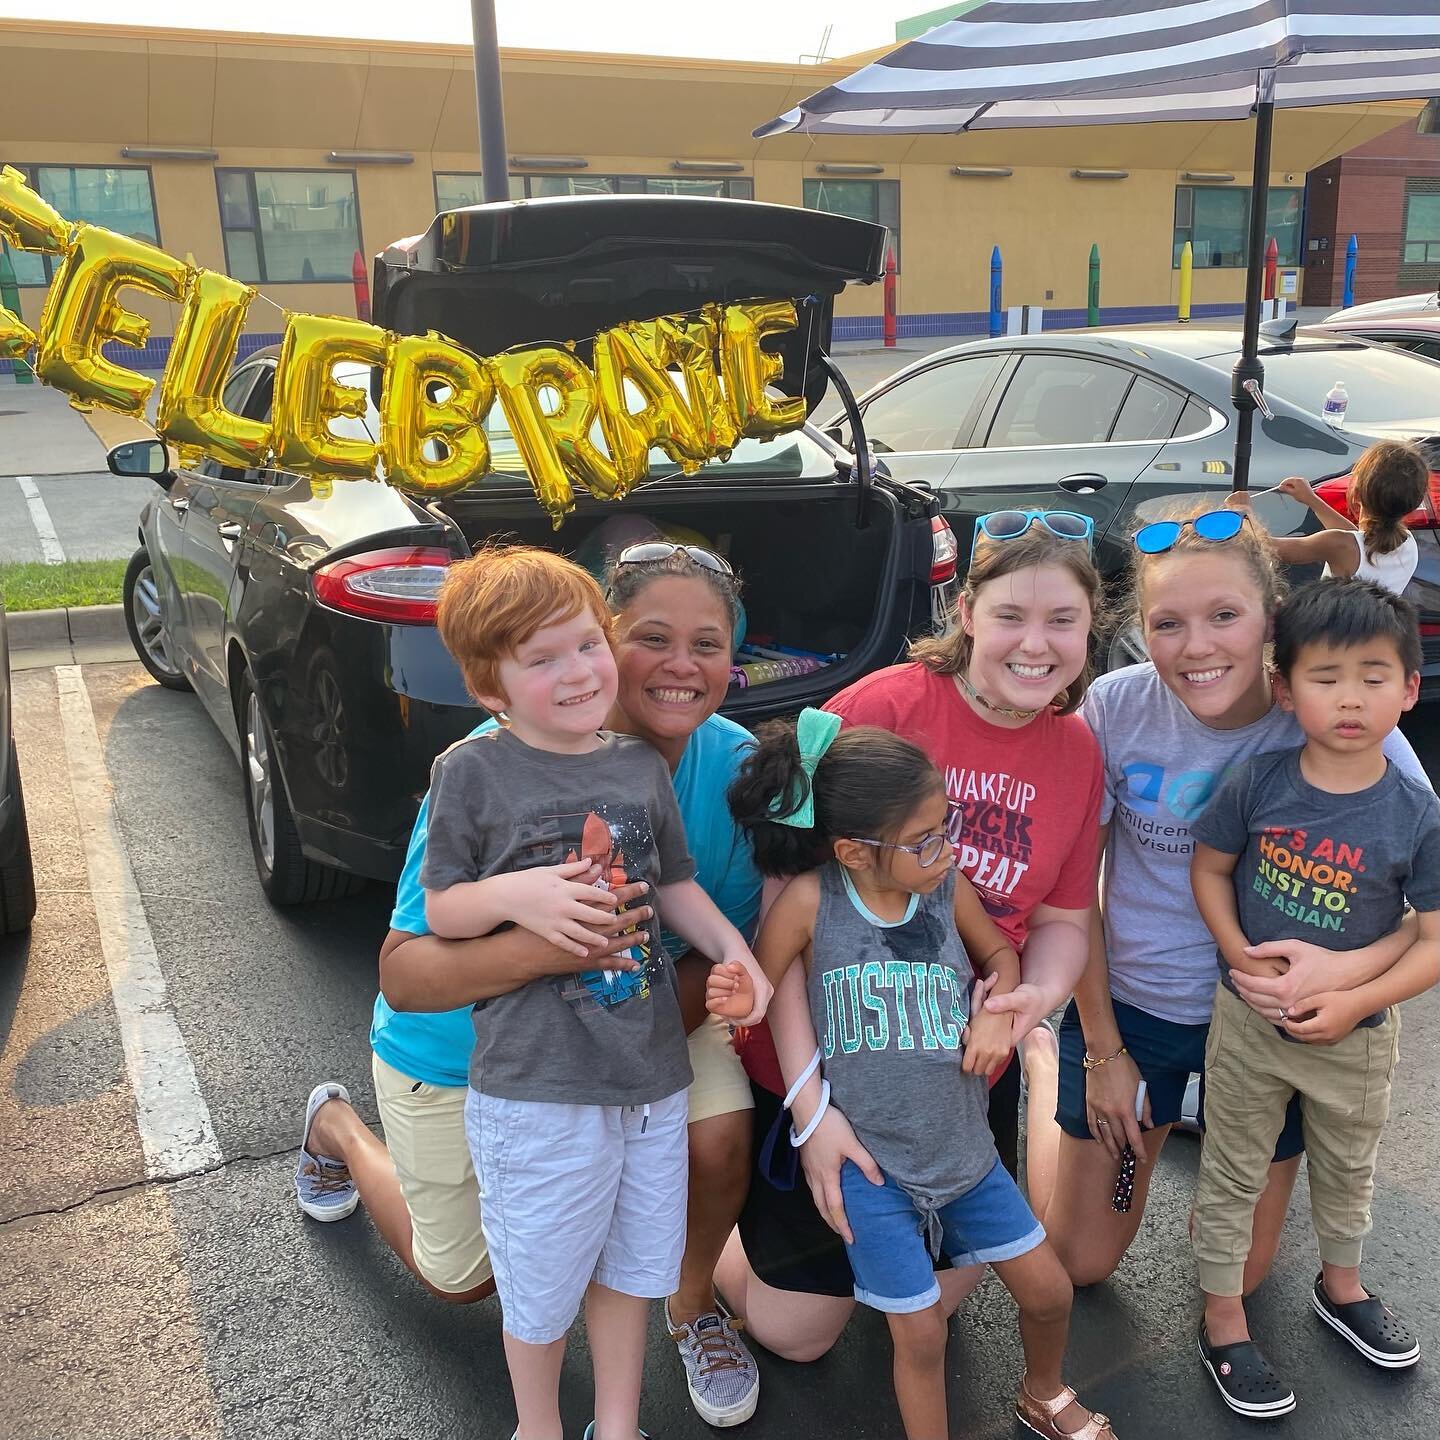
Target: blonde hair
[
  {"x": 949, "y": 654},
  {"x": 1392, "y": 478},
  {"x": 492, "y": 603},
  {"x": 1250, "y": 543}
]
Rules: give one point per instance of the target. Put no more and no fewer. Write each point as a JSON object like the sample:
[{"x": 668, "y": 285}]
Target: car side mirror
[{"x": 148, "y": 458}]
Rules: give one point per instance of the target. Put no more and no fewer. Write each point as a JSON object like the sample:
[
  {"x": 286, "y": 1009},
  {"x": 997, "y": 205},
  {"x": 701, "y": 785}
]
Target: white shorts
[{"x": 575, "y": 1193}]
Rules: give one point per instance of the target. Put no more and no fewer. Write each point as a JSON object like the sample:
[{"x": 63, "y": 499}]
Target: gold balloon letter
[
  {"x": 748, "y": 368},
  {"x": 665, "y": 420},
  {"x": 557, "y": 448},
  {"x": 82, "y": 312},
  {"x": 411, "y": 422},
  {"x": 308, "y": 396},
  {"x": 690, "y": 344},
  {"x": 190, "y": 411}
]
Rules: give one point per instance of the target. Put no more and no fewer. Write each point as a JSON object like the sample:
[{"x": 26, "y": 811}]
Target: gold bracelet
[{"x": 1091, "y": 1063}]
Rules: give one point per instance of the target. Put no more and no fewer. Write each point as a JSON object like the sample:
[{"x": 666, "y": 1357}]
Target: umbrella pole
[{"x": 1248, "y": 367}]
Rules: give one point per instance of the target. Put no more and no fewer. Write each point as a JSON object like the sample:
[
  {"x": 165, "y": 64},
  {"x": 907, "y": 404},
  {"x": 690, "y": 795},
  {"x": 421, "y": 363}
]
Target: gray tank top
[{"x": 889, "y": 1001}]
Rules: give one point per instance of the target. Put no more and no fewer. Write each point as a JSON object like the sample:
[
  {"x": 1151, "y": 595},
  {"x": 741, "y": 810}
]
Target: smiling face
[
  {"x": 1349, "y": 698},
  {"x": 886, "y": 867},
  {"x": 558, "y": 686},
  {"x": 673, "y": 643},
  {"x": 1206, "y": 625},
  {"x": 1029, "y": 632}
]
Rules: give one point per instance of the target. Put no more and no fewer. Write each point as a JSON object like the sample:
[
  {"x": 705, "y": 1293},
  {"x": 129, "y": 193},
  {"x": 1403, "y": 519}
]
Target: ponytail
[
  {"x": 1392, "y": 478},
  {"x": 773, "y": 769}
]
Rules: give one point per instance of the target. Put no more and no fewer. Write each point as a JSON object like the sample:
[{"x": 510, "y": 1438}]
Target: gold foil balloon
[
  {"x": 452, "y": 430},
  {"x": 748, "y": 368},
  {"x": 690, "y": 343},
  {"x": 82, "y": 311},
  {"x": 16, "y": 337},
  {"x": 557, "y": 449},
  {"x": 665, "y": 420},
  {"x": 308, "y": 396},
  {"x": 27, "y": 221},
  {"x": 190, "y": 412}
]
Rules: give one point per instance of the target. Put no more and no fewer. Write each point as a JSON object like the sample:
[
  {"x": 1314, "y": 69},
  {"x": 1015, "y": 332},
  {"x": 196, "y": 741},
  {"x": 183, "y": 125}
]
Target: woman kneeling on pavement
[
  {"x": 676, "y": 610},
  {"x": 992, "y": 705}
]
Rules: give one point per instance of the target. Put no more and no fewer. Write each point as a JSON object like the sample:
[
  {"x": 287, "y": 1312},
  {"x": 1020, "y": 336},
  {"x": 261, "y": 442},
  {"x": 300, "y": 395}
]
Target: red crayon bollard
[
  {"x": 889, "y": 299},
  {"x": 362, "y": 287},
  {"x": 1272, "y": 260}
]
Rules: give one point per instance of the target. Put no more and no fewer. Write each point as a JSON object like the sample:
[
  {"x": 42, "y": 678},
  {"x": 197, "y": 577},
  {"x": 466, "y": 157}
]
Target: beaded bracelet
[{"x": 1091, "y": 1063}]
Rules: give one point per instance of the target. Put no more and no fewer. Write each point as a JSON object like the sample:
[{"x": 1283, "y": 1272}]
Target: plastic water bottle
[{"x": 1335, "y": 404}]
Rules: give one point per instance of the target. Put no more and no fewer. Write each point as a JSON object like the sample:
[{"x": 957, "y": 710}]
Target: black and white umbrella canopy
[{"x": 1015, "y": 63}]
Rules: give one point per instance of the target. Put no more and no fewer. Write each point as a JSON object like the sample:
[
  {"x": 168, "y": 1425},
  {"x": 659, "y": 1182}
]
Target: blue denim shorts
[
  {"x": 1166, "y": 1054},
  {"x": 989, "y": 1223}
]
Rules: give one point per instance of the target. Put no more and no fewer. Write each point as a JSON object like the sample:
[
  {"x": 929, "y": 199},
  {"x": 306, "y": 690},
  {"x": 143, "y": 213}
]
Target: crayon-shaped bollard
[
  {"x": 1092, "y": 294},
  {"x": 997, "y": 310},
  {"x": 1187, "y": 280},
  {"x": 1352, "y": 250}
]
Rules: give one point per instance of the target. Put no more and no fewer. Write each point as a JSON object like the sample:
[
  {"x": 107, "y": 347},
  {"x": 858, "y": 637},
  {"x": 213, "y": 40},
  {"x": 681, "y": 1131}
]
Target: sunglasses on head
[
  {"x": 1161, "y": 535},
  {"x": 1012, "y": 524},
  {"x": 652, "y": 551}
]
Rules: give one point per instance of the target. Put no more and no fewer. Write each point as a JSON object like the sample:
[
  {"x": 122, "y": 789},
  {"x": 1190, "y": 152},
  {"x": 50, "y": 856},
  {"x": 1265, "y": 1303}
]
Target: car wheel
[
  {"x": 287, "y": 876},
  {"x": 1127, "y": 647},
  {"x": 17, "y": 874},
  {"x": 145, "y": 621}
]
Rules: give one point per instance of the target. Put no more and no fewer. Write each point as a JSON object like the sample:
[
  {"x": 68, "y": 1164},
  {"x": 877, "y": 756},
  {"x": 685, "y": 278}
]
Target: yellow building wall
[{"x": 267, "y": 104}]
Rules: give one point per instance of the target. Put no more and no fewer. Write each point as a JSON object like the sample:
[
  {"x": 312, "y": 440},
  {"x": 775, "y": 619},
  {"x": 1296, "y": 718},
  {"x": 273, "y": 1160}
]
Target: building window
[
  {"x": 288, "y": 225},
  {"x": 1420, "y": 247},
  {"x": 456, "y": 189},
  {"x": 875, "y": 200},
  {"x": 119, "y": 197},
  {"x": 1215, "y": 219}
]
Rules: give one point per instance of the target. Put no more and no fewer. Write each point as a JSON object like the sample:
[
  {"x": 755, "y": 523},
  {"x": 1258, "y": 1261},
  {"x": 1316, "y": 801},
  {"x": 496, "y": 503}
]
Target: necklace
[{"x": 967, "y": 689}]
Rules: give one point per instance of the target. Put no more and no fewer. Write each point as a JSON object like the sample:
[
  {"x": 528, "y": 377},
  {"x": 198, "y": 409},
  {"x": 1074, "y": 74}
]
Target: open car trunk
[{"x": 810, "y": 579}]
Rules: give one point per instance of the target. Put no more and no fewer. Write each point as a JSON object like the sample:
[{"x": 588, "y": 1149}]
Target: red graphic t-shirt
[{"x": 1026, "y": 803}]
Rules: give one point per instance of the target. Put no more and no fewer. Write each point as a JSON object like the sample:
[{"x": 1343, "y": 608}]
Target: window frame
[
  {"x": 1180, "y": 233},
  {"x": 255, "y": 229},
  {"x": 887, "y": 198},
  {"x": 620, "y": 184},
  {"x": 1424, "y": 272},
  {"x": 49, "y": 263}
]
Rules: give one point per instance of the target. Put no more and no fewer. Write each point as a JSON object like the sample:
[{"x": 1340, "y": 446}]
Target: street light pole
[{"x": 494, "y": 162}]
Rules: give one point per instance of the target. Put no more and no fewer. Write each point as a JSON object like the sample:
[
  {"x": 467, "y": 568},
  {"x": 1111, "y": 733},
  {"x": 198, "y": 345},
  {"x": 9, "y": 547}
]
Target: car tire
[
  {"x": 286, "y": 874},
  {"x": 17, "y": 874},
  {"x": 146, "y": 623}
]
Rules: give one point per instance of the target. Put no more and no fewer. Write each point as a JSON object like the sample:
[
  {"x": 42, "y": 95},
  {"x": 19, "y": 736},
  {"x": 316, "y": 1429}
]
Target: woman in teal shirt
[{"x": 675, "y": 621}]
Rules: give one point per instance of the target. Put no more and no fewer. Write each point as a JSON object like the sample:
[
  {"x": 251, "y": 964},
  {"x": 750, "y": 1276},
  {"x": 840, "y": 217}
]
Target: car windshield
[
  {"x": 793, "y": 456},
  {"x": 1387, "y": 387}
]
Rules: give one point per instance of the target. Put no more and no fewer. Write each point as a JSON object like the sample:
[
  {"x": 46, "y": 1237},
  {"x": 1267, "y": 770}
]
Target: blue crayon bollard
[
  {"x": 997, "y": 311},
  {"x": 1352, "y": 250}
]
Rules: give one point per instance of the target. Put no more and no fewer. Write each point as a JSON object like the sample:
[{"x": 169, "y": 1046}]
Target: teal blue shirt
[{"x": 436, "y": 1048}]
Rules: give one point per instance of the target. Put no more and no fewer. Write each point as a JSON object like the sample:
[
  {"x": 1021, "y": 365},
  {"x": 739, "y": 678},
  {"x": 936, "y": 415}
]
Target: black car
[
  {"x": 1112, "y": 422},
  {"x": 301, "y": 610},
  {"x": 17, "y": 876}
]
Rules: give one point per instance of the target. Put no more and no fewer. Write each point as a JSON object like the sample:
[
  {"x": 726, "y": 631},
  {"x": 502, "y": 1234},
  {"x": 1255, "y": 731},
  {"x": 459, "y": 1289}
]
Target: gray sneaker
[{"x": 720, "y": 1371}]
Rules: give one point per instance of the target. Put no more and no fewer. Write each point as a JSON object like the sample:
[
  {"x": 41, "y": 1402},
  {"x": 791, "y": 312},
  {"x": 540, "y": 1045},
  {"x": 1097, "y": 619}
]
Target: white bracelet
[
  {"x": 798, "y": 1140},
  {"x": 799, "y": 1085}
]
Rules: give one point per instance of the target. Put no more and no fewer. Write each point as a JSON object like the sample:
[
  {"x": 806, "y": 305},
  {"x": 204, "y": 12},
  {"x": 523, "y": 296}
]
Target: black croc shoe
[
  {"x": 1371, "y": 1326},
  {"x": 1245, "y": 1380}
]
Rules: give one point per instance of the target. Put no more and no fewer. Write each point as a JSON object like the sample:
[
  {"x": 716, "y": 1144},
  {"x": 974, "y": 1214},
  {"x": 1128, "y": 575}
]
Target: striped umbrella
[{"x": 1023, "y": 63}]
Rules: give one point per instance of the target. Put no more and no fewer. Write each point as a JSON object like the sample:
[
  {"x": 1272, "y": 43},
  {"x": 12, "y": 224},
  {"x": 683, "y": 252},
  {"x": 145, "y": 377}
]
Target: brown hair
[
  {"x": 1250, "y": 543},
  {"x": 949, "y": 654},
  {"x": 1392, "y": 478},
  {"x": 492, "y": 603}
]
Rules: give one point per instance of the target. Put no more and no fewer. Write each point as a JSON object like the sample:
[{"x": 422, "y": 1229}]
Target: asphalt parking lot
[{"x": 140, "y": 1300}]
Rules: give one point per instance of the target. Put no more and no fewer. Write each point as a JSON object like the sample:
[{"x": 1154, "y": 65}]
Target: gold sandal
[{"x": 1040, "y": 1416}]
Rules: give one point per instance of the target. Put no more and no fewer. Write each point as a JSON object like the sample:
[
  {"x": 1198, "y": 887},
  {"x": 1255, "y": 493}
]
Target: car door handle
[
  {"x": 230, "y": 531},
  {"x": 181, "y": 505},
  {"x": 1083, "y": 484}
]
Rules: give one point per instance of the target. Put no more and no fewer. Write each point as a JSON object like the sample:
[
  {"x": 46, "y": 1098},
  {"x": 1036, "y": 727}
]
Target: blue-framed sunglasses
[
  {"x": 1012, "y": 524},
  {"x": 1161, "y": 535}
]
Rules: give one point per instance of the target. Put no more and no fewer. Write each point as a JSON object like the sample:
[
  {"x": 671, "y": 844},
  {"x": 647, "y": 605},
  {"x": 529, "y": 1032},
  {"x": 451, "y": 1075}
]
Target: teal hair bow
[{"x": 814, "y": 734}]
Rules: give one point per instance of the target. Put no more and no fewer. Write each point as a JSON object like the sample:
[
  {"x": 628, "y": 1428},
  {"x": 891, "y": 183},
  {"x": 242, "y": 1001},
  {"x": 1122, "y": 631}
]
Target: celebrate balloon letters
[{"x": 701, "y": 379}]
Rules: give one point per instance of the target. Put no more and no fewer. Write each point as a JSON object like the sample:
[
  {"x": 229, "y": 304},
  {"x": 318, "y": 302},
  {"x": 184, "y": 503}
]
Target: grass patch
[{"x": 36, "y": 586}]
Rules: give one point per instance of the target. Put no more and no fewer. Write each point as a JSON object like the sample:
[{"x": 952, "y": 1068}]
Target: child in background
[
  {"x": 1391, "y": 479},
  {"x": 1323, "y": 843},
  {"x": 576, "y": 1114},
  {"x": 858, "y": 818}
]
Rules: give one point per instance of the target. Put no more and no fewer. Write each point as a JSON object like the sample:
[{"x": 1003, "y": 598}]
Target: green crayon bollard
[
  {"x": 1092, "y": 301},
  {"x": 10, "y": 299}
]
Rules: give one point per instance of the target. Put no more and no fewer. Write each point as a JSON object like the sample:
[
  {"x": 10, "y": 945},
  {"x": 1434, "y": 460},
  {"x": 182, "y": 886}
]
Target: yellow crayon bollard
[{"x": 1187, "y": 266}]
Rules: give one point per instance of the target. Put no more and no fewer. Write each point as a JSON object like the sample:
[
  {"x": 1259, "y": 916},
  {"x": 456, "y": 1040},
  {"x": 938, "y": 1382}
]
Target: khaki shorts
[{"x": 425, "y": 1134}]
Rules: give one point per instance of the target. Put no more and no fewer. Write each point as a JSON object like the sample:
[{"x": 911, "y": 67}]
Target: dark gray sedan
[{"x": 1108, "y": 422}]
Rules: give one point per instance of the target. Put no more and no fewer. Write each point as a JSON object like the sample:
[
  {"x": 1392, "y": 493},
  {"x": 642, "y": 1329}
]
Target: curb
[{"x": 69, "y": 636}]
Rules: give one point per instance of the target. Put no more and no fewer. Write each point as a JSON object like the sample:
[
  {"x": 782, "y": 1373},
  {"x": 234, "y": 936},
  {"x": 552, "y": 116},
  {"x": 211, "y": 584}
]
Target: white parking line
[
  {"x": 173, "y": 1118},
  {"x": 50, "y": 550}
]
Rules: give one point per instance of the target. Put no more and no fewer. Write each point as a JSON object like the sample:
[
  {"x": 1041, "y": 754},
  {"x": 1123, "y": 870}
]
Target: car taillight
[
  {"x": 944, "y": 552},
  {"x": 1336, "y": 494},
  {"x": 400, "y": 586}
]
